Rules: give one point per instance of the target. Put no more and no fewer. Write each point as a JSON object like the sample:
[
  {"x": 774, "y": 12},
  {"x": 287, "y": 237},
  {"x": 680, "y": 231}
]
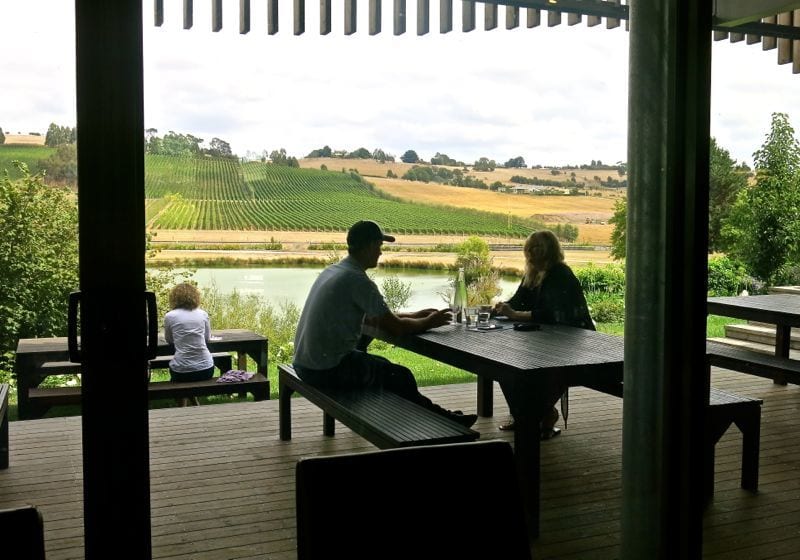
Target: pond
[{"x": 291, "y": 284}]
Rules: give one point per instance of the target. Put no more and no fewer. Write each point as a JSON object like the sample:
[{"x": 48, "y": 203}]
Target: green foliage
[
  {"x": 62, "y": 166},
  {"x": 237, "y": 311},
  {"x": 395, "y": 292},
  {"x": 606, "y": 308},
  {"x": 619, "y": 221},
  {"x": 726, "y": 180},
  {"x": 38, "y": 258},
  {"x": 763, "y": 230},
  {"x": 482, "y": 281},
  {"x": 361, "y": 153},
  {"x": 279, "y": 157},
  {"x": 321, "y": 152},
  {"x": 484, "y": 164},
  {"x": 444, "y": 159},
  {"x": 518, "y": 162},
  {"x": 29, "y": 154},
  {"x": 565, "y": 232},
  {"x": 390, "y": 174},
  {"x": 57, "y": 135},
  {"x": 2, "y": 136},
  {"x": 409, "y": 157},
  {"x": 609, "y": 278},
  {"x": 727, "y": 277}
]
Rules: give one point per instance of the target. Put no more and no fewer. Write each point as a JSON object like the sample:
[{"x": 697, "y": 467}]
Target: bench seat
[
  {"x": 222, "y": 360},
  {"x": 752, "y": 362},
  {"x": 42, "y": 398},
  {"x": 724, "y": 409},
  {"x": 384, "y": 419}
]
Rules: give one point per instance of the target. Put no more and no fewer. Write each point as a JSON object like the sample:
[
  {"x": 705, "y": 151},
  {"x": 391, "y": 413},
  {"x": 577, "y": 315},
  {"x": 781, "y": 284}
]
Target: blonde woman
[
  {"x": 549, "y": 293},
  {"x": 187, "y": 327}
]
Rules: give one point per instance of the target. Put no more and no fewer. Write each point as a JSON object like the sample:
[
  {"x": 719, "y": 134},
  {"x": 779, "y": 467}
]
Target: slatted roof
[{"x": 774, "y": 24}]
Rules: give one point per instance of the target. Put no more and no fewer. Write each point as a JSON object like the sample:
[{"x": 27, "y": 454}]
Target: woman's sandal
[{"x": 508, "y": 426}]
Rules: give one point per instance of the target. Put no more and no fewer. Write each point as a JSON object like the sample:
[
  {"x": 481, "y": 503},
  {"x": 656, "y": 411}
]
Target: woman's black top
[{"x": 558, "y": 299}]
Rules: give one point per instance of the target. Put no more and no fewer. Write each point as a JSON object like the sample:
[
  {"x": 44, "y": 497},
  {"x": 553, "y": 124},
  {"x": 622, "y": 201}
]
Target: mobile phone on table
[{"x": 527, "y": 326}]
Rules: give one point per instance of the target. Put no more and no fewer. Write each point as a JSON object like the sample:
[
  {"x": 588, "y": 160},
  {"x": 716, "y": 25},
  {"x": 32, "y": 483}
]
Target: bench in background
[
  {"x": 752, "y": 362},
  {"x": 384, "y": 419},
  {"x": 43, "y": 398},
  {"x": 725, "y": 409}
]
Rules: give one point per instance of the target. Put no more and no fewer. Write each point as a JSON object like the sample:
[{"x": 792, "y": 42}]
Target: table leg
[
  {"x": 783, "y": 335},
  {"x": 485, "y": 396},
  {"x": 527, "y": 451}
]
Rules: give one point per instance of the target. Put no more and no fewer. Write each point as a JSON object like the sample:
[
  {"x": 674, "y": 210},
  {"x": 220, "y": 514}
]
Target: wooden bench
[
  {"x": 3, "y": 425},
  {"x": 384, "y": 419},
  {"x": 43, "y": 398},
  {"x": 725, "y": 409},
  {"x": 222, "y": 360},
  {"x": 752, "y": 362},
  {"x": 23, "y": 529}
]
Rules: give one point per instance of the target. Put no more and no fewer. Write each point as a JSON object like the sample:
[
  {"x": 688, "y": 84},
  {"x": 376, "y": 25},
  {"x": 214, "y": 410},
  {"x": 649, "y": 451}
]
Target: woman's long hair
[{"x": 550, "y": 253}]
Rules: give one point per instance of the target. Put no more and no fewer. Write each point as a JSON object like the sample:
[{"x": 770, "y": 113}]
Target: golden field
[{"x": 25, "y": 139}]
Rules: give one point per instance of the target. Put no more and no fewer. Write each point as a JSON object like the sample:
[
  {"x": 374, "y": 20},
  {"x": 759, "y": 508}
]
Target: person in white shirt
[
  {"x": 327, "y": 348},
  {"x": 188, "y": 327}
]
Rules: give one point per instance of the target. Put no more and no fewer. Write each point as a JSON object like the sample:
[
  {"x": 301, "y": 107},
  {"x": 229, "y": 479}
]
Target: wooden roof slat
[
  {"x": 534, "y": 17},
  {"x": 216, "y": 15},
  {"x": 769, "y": 43},
  {"x": 553, "y": 19},
  {"x": 244, "y": 16},
  {"x": 752, "y": 39},
  {"x": 737, "y": 37},
  {"x": 324, "y": 16},
  {"x": 720, "y": 35},
  {"x": 272, "y": 17},
  {"x": 467, "y": 16},
  {"x": 796, "y": 46},
  {"x": 158, "y": 13},
  {"x": 591, "y": 21},
  {"x": 512, "y": 17},
  {"x": 188, "y": 14},
  {"x": 423, "y": 17},
  {"x": 374, "y": 16},
  {"x": 350, "y": 12},
  {"x": 445, "y": 16},
  {"x": 299, "y": 17},
  {"x": 613, "y": 23},
  {"x": 785, "y": 45},
  {"x": 574, "y": 19},
  {"x": 399, "y": 17},
  {"x": 489, "y": 16}
]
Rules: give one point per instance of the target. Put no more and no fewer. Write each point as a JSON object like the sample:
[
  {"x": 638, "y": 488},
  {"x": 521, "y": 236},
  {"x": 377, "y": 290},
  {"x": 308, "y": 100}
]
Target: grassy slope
[{"x": 28, "y": 153}]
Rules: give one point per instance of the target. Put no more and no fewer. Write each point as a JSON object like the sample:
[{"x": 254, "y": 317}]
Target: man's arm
[{"x": 410, "y": 323}]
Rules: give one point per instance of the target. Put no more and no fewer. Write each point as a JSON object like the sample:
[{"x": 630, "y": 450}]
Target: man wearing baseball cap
[{"x": 342, "y": 298}]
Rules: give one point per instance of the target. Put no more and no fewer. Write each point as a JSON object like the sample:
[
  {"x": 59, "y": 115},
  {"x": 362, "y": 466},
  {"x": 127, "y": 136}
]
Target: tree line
[{"x": 753, "y": 217}]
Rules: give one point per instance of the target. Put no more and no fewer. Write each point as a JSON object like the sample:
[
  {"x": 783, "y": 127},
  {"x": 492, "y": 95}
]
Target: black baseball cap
[{"x": 365, "y": 231}]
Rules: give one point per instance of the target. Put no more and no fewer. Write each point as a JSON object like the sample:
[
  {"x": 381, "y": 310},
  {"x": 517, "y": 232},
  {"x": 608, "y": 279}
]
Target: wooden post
[
  {"x": 110, "y": 110},
  {"x": 666, "y": 382}
]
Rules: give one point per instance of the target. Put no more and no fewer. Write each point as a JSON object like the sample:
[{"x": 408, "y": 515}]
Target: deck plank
[{"x": 223, "y": 483}]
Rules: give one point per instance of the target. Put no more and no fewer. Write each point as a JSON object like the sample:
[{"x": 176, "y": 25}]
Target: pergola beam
[{"x": 731, "y": 13}]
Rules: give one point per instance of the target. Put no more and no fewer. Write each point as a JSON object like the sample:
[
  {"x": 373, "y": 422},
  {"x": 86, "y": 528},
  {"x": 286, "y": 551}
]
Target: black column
[
  {"x": 666, "y": 384},
  {"x": 112, "y": 218}
]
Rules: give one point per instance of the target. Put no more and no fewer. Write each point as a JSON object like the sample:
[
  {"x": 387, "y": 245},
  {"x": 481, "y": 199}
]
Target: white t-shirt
[
  {"x": 188, "y": 331},
  {"x": 330, "y": 325}
]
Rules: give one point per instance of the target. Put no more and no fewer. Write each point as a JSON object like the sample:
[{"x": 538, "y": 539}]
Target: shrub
[
  {"x": 606, "y": 308},
  {"x": 609, "y": 278},
  {"x": 727, "y": 277}
]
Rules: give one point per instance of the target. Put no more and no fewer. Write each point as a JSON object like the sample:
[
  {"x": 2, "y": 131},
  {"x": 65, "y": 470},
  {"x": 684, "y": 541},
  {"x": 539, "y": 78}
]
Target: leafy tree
[
  {"x": 409, "y": 157},
  {"x": 518, "y": 161},
  {"x": 725, "y": 182},
  {"x": 57, "y": 135},
  {"x": 619, "y": 220},
  {"x": 482, "y": 281},
  {"x": 38, "y": 258},
  {"x": 381, "y": 156},
  {"x": 2, "y": 136},
  {"x": 62, "y": 166},
  {"x": 219, "y": 148},
  {"x": 764, "y": 225},
  {"x": 361, "y": 153},
  {"x": 279, "y": 157},
  {"x": 321, "y": 152},
  {"x": 484, "y": 164}
]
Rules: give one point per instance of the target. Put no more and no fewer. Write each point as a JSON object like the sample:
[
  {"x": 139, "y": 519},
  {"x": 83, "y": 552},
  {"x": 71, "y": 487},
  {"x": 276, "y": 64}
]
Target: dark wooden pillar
[
  {"x": 666, "y": 384},
  {"x": 111, "y": 211}
]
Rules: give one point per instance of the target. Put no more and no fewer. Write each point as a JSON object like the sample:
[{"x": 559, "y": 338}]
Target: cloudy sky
[{"x": 551, "y": 95}]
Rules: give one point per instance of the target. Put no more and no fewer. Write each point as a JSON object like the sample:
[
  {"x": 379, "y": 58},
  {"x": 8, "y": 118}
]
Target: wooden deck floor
[{"x": 201, "y": 456}]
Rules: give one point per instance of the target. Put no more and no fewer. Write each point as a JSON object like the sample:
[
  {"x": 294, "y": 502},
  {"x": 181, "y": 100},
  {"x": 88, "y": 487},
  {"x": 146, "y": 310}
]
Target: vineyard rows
[{"x": 223, "y": 194}]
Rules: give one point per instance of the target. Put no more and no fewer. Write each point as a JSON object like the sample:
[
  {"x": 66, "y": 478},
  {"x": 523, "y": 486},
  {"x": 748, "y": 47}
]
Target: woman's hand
[{"x": 502, "y": 308}]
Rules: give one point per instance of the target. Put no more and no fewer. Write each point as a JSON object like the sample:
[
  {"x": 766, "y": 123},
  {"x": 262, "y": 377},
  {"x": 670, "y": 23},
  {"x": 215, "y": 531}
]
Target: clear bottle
[{"x": 460, "y": 297}]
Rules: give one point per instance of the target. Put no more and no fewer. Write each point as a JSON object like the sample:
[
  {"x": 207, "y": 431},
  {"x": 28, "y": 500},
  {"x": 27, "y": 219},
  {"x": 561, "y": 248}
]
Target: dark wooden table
[
  {"x": 781, "y": 310},
  {"x": 530, "y": 361},
  {"x": 33, "y": 353}
]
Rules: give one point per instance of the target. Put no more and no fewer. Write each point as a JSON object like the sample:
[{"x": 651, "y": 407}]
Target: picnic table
[
  {"x": 35, "y": 356},
  {"x": 530, "y": 361},
  {"x": 781, "y": 310}
]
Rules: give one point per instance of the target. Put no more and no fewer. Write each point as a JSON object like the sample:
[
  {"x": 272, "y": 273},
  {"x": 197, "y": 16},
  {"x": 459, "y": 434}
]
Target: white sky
[{"x": 552, "y": 95}]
